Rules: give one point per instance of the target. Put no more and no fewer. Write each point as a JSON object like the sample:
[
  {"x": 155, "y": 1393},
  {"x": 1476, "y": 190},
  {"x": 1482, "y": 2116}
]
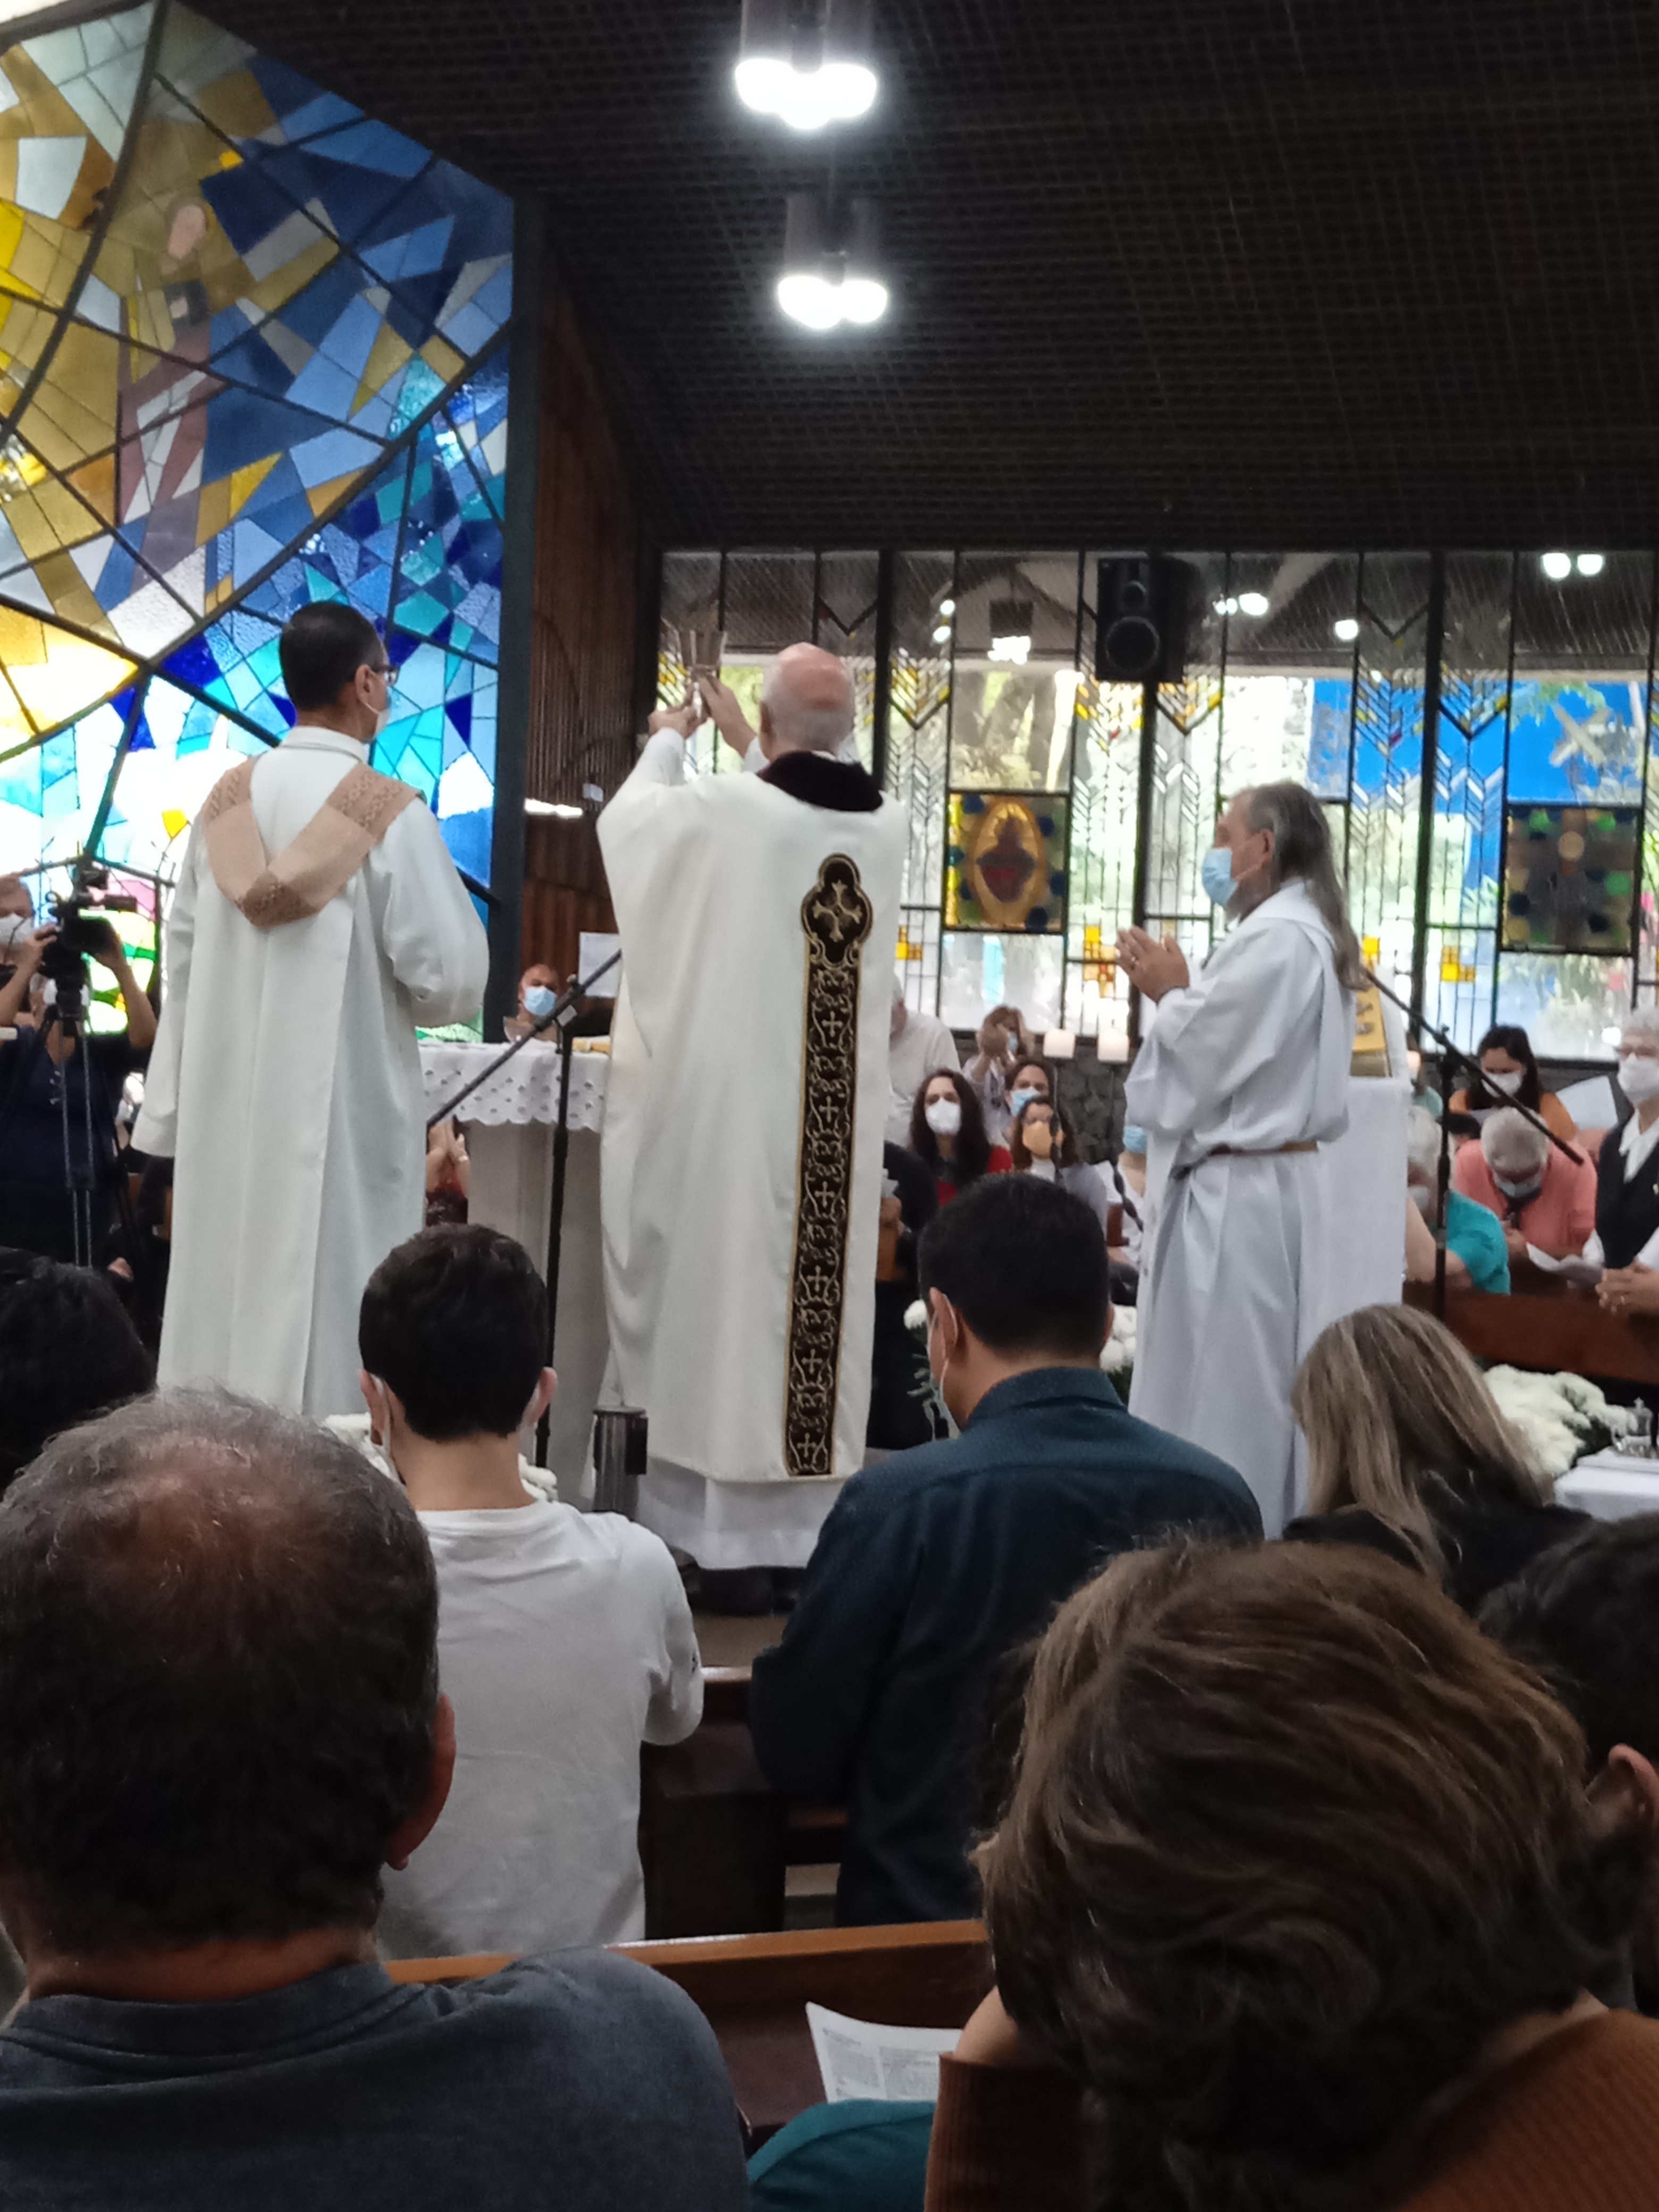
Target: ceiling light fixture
[
  {"x": 1345, "y": 628},
  {"x": 823, "y": 285},
  {"x": 1224, "y": 607},
  {"x": 1253, "y": 604},
  {"x": 1011, "y": 630},
  {"x": 806, "y": 73},
  {"x": 942, "y": 634},
  {"x": 1556, "y": 566},
  {"x": 947, "y": 607},
  {"x": 554, "y": 807},
  {"x": 1591, "y": 564}
]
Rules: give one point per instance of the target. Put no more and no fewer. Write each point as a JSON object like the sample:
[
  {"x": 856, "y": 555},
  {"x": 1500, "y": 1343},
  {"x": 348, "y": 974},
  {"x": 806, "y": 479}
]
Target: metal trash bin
[{"x": 619, "y": 1454}]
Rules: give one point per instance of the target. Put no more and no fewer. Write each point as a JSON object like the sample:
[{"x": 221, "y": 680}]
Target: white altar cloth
[
  {"x": 509, "y": 1123},
  {"x": 1611, "y": 1486}
]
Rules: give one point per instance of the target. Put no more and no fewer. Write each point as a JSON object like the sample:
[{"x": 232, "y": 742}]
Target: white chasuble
[
  {"x": 741, "y": 1162},
  {"x": 285, "y": 1080},
  {"x": 1242, "y": 1268}
]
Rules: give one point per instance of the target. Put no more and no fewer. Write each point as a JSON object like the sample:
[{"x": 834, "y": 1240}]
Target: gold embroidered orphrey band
[
  {"x": 317, "y": 864},
  {"x": 836, "y": 916}
]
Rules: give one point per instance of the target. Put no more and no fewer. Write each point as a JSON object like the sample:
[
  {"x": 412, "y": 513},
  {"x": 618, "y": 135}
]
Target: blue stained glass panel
[{"x": 271, "y": 230}]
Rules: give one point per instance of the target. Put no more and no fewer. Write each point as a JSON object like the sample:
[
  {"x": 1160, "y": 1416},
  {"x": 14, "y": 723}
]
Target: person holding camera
[{"x": 45, "y": 1070}]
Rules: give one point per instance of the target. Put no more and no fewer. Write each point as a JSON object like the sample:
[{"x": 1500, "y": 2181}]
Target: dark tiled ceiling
[{"x": 1315, "y": 272}]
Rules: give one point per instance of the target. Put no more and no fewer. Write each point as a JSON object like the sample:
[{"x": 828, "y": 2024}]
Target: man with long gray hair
[{"x": 1243, "y": 1077}]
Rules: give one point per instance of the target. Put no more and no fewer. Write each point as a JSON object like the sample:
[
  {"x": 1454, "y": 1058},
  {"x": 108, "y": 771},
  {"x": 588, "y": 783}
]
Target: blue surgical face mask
[
  {"x": 1134, "y": 1140},
  {"x": 539, "y": 1001},
  {"x": 1019, "y": 1100},
  {"x": 1215, "y": 872}
]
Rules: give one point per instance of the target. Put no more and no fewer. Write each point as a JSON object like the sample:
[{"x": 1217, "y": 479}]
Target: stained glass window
[
  {"x": 1520, "y": 887},
  {"x": 251, "y": 355}
]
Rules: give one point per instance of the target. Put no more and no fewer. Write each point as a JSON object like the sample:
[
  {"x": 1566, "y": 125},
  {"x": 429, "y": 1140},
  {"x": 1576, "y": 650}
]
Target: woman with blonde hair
[{"x": 1408, "y": 1454}]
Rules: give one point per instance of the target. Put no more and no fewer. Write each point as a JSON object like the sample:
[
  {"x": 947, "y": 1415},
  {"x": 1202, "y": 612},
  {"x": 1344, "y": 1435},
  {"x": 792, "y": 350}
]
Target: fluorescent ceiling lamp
[
  {"x": 942, "y": 634},
  {"x": 821, "y": 288},
  {"x": 1591, "y": 564},
  {"x": 554, "y": 807},
  {"x": 1226, "y": 606},
  {"x": 808, "y": 297},
  {"x": 947, "y": 607},
  {"x": 1556, "y": 566},
  {"x": 810, "y": 76},
  {"x": 1253, "y": 604},
  {"x": 1010, "y": 629},
  {"x": 1345, "y": 628}
]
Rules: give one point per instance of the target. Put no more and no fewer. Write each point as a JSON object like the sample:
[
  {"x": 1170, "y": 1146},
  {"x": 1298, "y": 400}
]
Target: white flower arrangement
[
  {"x": 1118, "y": 1353},
  {"x": 1560, "y": 1419}
]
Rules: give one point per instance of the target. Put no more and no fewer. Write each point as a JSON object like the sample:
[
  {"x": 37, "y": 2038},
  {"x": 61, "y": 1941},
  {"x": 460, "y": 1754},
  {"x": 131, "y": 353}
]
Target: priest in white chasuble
[
  {"x": 1243, "y": 1079},
  {"x": 317, "y": 919},
  {"x": 742, "y": 1152}
]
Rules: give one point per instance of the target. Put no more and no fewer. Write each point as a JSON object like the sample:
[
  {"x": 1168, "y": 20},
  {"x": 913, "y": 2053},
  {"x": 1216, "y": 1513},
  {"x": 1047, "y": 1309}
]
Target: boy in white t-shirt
[{"x": 564, "y": 1639}]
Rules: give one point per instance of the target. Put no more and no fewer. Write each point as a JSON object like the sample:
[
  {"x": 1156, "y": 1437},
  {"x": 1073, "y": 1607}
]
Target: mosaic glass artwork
[
  {"x": 1569, "y": 878},
  {"x": 1317, "y": 667},
  {"x": 251, "y": 357},
  {"x": 1006, "y": 861}
]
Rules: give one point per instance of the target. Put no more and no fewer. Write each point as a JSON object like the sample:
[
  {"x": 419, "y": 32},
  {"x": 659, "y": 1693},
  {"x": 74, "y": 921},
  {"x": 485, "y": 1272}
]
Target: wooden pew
[
  {"x": 715, "y": 1839},
  {"x": 754, "y": 1991},
  {"x": 1560, "y": 1329}
]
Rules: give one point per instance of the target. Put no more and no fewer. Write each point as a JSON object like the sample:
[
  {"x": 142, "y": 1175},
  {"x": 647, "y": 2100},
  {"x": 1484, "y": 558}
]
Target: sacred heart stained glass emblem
[
  {"x": 1569, "y": 878},
  {"x": 1005, "y": 861}
]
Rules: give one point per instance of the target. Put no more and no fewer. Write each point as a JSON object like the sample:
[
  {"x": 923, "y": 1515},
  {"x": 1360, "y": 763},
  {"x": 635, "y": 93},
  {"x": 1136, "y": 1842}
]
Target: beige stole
[{"x": 318, "y": 863}]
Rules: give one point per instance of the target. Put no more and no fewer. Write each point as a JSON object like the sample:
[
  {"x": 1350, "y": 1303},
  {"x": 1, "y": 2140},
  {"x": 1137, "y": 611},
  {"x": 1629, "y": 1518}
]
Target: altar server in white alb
[
  {"x": 741, "y": 1171},
  {"x": 317, "y": 918},
  {"x": 1243, "y": 1077}
]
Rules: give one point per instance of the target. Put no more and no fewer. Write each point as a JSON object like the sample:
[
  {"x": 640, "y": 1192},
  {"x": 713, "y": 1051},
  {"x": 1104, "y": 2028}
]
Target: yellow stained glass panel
[{"x": 53, "y": 673}]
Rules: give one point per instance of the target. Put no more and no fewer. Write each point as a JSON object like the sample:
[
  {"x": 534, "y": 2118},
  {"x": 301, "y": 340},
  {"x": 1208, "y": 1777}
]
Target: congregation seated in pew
[
  {"x": 932, "y": 1568},
  {"x": 1586, "y": 1614},
  {"x": 1509, "y": 1069},
  {"x": 564, "y": 1639},
  {"x": 68, "y": 1350},
  {"x": 1541, "y": 1198},
  {"x": 1302, "y": 1880},
  {"x": 1477, "y": 1257},
  {"x": 1408, "y": 1454},
  {"x": 195, "y": 1805}
]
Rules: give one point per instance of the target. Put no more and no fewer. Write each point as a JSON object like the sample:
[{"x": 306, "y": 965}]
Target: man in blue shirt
[{"x": 933, "y": 1568}]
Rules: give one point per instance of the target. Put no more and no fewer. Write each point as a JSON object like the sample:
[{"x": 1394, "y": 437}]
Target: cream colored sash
[{"x": 319, "y": 862}]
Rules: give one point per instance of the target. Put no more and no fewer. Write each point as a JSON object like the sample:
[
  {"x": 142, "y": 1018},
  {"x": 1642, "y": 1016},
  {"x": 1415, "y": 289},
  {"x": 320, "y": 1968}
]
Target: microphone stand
[
  {"x": 562, "y": 1016},
  {"x": 1454, "y": 1056}
]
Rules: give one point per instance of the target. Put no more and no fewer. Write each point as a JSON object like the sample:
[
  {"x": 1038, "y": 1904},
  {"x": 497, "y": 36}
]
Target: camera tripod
[{"x": 66, "y": 1016}]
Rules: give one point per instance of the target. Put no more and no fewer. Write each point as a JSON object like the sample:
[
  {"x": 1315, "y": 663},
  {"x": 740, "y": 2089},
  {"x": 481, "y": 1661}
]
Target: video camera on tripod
[{"x": 81, "y": 917}]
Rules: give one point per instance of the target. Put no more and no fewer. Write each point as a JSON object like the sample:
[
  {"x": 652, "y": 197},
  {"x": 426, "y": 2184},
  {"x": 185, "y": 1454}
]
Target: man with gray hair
[
  {"x": 1242, "y": 1077},
  {"x": 1542, "y": 1198},
  {"x": 220, "y": 1720},
  {"x": 742, "y": 1154}
]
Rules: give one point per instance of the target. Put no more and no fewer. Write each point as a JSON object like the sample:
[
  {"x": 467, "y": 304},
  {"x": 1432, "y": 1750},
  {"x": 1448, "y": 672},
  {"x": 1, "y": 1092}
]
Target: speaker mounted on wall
[{"x": 1140, "y": 619}]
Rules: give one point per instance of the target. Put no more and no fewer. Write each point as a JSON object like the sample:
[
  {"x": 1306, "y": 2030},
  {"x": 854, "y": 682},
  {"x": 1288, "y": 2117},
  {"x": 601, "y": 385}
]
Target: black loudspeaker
[{"x": 1141, "y": 622}]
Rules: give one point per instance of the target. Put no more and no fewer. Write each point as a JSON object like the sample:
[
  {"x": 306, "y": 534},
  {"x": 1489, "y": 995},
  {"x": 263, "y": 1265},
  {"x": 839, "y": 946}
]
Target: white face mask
[
  {"x": 944, "y": 1117},
  {"x": 1508, "y": 1082},
  {"x": 1638, "y": 1078},
  {"x": 1044, "y": 1170}
]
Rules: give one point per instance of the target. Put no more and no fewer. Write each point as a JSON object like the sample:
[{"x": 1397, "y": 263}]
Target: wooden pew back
[{"x": 754, "y": 1991}]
